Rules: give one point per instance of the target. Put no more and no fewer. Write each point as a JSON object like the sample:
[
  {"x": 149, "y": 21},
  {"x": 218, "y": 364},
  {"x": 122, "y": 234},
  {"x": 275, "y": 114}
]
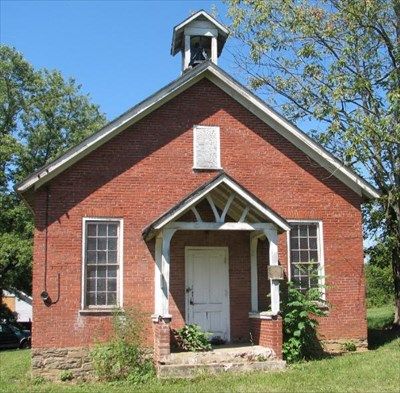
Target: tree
[
  {"x": 41, "y": 115},
  {"x": 336, "y": 62}
]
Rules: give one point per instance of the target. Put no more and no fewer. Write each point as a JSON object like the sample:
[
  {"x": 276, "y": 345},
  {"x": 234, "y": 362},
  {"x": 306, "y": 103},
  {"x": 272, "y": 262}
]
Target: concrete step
[{"x": 193, "y": 370}]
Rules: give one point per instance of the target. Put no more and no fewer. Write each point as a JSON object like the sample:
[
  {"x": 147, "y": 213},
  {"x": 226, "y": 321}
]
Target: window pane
[
  {"x": 112, "y": 244},
  {"x": 112, "y": 284},
  {"x": 101, "y": 257},
  {"x": 112, "y": 271},
  {"x": 313, "y": 256},
  {"x": 101, "y": 298},
  {"x": 304, "y": 256},
  {"x": 295, "y": 256},
  {"x": 91, "y": 229},
  {"x": 313, "y": 243},
  {"x": 91, "y": 299},
  {"x": 303, "y": 243},
  {"x": 91, "y": 257},
  {"x": 91, "y": 243},
  {"x": 91, "y": 271},
  {"x": 102, "y": 271},
  {"x": 312, "y": 228},
  {"x": 91, "y": 285},
  {"x": 102, "y": 243},
  {"x": 111, "y": 298},
  {"x": 112, "y": 229},
  {"x": 303, "y": 230},
  {"x": 112, "y": 256},
  {"x": 101, "y": 284},
  {"x": 102, "y": 229},
  {"x": 294, "y": 243}
]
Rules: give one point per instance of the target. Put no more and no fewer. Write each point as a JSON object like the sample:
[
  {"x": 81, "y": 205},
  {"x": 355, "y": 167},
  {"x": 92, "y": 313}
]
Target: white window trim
[
  {"x": 195, "y": 129},
  {"x": 321, "y": 255},
  {"x": 120, "y": 275}
]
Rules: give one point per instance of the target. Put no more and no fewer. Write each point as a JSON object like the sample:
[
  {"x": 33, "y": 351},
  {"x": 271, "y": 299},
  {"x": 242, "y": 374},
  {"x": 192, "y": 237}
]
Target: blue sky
[{"x": 117, "y": 50}]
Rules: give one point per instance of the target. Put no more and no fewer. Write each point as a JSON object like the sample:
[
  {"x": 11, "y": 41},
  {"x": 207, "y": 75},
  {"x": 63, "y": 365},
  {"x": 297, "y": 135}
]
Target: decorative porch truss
[{"x": 234, "y": 209}]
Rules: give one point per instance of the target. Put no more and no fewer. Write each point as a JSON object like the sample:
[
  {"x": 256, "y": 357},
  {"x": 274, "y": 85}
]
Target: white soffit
[{"x": 237, "y": 91}]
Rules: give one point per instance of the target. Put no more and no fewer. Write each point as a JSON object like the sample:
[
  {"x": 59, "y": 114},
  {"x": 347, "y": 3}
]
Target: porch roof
[{"x": 226, "y": 197}]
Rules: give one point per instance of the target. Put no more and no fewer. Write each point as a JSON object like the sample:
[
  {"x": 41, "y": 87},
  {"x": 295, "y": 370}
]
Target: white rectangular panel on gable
[{"x": 206, "y": 147}]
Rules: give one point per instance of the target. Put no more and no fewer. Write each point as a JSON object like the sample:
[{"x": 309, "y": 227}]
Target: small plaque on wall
[{"x": 275, "y": 272}]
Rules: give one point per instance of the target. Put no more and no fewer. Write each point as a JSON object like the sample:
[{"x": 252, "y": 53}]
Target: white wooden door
[{"x": 207, "y": 289}]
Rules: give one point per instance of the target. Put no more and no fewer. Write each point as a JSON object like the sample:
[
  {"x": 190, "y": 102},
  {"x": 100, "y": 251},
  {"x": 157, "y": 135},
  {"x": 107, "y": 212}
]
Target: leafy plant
[
  {"x": 379, "y": 285},
  {"x": 66, "y": 375},
  {"x": 299, "y": 324},
  {"x": 349, "y": 346},
  {"x": 124, "y": 356},
  {"x": 193, "y": 338}
]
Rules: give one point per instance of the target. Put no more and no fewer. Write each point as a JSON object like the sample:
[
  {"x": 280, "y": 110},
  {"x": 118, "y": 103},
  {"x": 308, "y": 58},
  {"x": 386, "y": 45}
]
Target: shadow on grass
[{"x": 379, "y": 337}]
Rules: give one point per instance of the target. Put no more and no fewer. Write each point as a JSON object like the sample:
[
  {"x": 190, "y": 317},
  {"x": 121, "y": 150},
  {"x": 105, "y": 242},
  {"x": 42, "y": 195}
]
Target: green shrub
[
  {"x": 66, "y": 375},
  {"x": 192, "y": 338},
  {"x": 380, "y": 287},
  {"x": 123, "y": 357},
  {"x": 299, "y": 325},
  {"x": 349, "y": 346}
]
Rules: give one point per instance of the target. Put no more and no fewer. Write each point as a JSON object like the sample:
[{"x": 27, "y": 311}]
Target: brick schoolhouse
[{"x": 194, "y": 206}]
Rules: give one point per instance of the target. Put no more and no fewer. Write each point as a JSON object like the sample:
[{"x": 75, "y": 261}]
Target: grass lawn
[{"x": 375, "y": 371}]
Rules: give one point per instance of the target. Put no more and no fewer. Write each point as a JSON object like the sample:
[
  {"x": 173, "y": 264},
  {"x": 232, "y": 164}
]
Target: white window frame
[
  {"x": 120, "y": 270},
  {"x": 321, "y": 256},
  {"x": 197, "y": 128}
]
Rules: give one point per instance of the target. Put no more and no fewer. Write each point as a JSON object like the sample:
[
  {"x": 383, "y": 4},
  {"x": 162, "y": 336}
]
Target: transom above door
[{"x": 207, "y": 289}]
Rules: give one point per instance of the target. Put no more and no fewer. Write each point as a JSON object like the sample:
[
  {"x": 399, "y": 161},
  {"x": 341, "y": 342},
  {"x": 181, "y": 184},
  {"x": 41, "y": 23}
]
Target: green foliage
[
  {"x": 123, "y": 357},
  {"x": 349, "y": 346},
  {"x": 379, "y": 285},
  {"x": 6, "y": 314},
  {"x": 193, "y": 338},
  {"x": 337, "y": 63},
  {"x": 41, "y": 115},
  {"x": 299, "y": 324},
  {"x": 66, "y": 375}
]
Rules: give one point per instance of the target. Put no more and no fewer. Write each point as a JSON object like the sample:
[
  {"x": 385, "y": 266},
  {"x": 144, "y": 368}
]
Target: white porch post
[
  {"x": 161, "y": 278},
  {"x": 253, "y": 270},
  {"x": 272, "y": 236}
]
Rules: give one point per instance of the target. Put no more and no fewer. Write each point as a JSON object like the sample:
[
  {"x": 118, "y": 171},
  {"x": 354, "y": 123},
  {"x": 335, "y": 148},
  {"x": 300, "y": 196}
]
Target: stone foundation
[
  {"x": 49, "y": 363},
  {"x": 339, "y": 345}
]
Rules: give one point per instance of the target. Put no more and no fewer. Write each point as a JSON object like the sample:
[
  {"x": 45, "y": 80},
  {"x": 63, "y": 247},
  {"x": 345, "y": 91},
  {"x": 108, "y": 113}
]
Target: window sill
[
  {"x": 100, "y": 311},
  {"x": 195, "y": 169}
]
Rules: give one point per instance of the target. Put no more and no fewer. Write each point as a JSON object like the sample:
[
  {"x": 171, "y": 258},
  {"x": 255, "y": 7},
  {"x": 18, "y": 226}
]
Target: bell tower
[{"x": 199, "y": 38}]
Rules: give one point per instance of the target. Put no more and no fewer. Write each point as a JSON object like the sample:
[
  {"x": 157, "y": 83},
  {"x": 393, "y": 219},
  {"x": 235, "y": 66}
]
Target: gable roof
[
  {"x": 224, "y": 191},
  {"x": 233, "y": 88}
]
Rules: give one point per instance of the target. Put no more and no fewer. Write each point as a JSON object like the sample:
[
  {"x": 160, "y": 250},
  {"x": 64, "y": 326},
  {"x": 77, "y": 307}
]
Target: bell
[{"x": 199, "y": 55}]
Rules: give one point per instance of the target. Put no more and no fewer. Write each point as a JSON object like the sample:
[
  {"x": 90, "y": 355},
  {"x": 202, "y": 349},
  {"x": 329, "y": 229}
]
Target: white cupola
[{"x": 199, "y": 38}]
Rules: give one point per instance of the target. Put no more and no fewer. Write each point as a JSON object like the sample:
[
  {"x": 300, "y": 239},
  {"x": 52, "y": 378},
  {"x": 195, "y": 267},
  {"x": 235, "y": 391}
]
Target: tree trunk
[{"x": 394, "y": 229}]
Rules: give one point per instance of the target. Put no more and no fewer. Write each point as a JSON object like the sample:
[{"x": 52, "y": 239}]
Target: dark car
[{"x": 13, "y": 337}]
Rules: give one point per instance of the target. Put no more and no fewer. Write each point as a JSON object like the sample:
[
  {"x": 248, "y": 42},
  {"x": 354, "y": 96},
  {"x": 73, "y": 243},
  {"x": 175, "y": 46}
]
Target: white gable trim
[
  {"x": 236, "y": 91},
  {"x": 187, "y": 205}
]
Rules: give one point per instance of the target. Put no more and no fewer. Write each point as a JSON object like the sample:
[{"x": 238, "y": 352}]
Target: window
[
  {"x": 306, "y": 259},
  {"x": 102, "y": 263},
  {"x": 206, "y": 147}
]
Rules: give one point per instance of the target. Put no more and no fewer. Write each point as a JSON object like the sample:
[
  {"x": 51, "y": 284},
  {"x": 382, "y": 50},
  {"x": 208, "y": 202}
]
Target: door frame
[{"x": 227, "y": 283}]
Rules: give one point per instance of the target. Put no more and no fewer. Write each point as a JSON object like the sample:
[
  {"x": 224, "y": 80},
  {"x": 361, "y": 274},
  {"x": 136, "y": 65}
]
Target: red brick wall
[
  {"x": 268, "y": 333},
  {"x": 146, "y": 169}
]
